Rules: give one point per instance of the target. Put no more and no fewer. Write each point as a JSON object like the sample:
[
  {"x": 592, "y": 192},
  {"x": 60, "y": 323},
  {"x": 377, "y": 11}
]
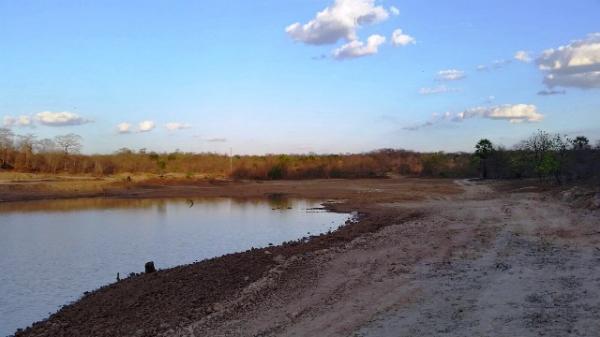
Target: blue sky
[{"x": 238, "y": 73}]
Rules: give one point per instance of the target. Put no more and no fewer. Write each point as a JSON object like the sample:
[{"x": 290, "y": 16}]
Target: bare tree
[
  {"x": 69, "y": 143},
  {"x": 6, "y": 145},
  {"x": 45, "y": 145},
  {"x": 25, "y": 145}
]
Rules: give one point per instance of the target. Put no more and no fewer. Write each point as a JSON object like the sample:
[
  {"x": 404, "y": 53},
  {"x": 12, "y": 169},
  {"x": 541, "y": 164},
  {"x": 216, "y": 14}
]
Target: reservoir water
[{"x": 53, "y": 251}]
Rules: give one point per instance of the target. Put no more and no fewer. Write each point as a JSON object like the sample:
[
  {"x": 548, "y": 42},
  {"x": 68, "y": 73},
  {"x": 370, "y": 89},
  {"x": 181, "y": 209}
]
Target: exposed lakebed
[{"x": 53, "y": 251}]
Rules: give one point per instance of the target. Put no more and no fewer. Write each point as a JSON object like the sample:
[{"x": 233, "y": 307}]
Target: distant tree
[
  {"x": 69, "y": 143},
  {"x": 580, "y": 143},
  {"x": 45, "y": 145},
  {"x": 538, "y": 146},
  {"x": 124, "y": 150},
  {"x": 6, "y": 146},
  {"x": 483, "y": 150},
  {"x": 25, "y": 144}
]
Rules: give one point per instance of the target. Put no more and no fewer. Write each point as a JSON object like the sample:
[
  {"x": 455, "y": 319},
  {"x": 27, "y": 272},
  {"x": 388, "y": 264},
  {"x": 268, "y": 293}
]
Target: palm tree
[{"x": 483, "y": 150}]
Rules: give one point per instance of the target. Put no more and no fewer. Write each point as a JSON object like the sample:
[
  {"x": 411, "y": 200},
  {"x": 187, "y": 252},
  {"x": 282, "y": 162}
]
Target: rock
[
  {"x": 149, "y": 267},
  {"x": 595, "y": 201}
]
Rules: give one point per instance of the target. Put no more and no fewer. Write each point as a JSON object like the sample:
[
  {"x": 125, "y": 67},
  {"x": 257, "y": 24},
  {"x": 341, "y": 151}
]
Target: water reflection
[{"x": 53, "y": 251}]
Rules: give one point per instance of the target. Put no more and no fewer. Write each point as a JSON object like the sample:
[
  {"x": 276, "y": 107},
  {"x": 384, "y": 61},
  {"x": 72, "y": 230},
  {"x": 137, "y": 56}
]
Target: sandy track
[{"x": 480, "y": 264}]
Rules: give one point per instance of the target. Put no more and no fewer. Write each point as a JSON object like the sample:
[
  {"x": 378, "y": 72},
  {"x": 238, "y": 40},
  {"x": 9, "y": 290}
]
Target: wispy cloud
[
  {"x": 513, "y": 113},
  {"x": 450, "y": 75},
  {"x": 494, "y": 65},
  {"x": 216, "y": 140},
  {"x": 174, "y": 126},
  {"x": 440, "y": 89},
  {"x": 20, "y": 121},
  {"x": 551, "y": 92}
]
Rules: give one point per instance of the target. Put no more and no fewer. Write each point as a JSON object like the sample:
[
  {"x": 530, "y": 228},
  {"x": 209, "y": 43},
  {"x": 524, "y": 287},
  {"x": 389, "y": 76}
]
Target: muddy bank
[{"x": 166, "y": 301}]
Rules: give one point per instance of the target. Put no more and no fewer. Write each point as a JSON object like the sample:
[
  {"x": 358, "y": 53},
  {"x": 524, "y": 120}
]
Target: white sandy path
[{"x": 482, "y": 264}]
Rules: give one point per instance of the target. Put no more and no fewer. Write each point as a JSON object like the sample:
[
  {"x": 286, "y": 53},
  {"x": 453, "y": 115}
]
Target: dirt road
[{"x": 480, "y": 264}]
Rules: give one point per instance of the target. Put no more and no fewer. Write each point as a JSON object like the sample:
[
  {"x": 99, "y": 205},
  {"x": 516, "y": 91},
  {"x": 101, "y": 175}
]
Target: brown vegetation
[{"x": 542, "y": 155}]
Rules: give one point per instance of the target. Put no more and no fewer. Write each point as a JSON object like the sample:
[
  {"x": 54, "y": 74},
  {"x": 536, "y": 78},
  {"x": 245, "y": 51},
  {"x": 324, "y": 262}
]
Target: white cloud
[
  {"x": 64, "y": 118},
  {"x": 497, "y": 64},
  {"x": 21, "y": 121},
  {"x": 394, "y": 10},
  {"x": 124, "y": 127},
  {"x": 354, "y": 49},
  {"x": 400, "y": 39},
  {"x": 338, "y": 21},
  {"x": 522, "y": 56},
  {"x": 574, "y": 65},
  {"x": 440, "y": 89},
  {"x": 173, "y": 126},
  {"x": 514, "y": 113},
  {"x": 146, "y": 126},
  {"x": 450, "y": 75}
]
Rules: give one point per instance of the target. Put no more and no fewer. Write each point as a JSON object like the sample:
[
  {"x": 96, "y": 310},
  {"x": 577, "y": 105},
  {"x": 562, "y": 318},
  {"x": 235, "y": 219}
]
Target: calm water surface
[{"x": 53, "y": 251}]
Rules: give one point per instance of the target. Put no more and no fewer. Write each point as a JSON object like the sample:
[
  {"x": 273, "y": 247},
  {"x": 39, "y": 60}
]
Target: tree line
[
  {"x": 546, "y": 156},
  {"x": 543, "y": 155}
]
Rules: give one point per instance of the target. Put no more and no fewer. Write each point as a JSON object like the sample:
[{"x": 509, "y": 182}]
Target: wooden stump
[{"x": 149, "y": 267}]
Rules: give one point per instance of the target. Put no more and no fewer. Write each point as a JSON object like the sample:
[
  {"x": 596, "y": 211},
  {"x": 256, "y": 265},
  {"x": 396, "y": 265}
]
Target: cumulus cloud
[
  {"x": 551, "y": 92},
  {"x": 338, "y": 21},
  {"x": 124, "y": 127},
  {"x": 146, "y": 126},
  {"x": 401, "y": 39},
  {"x": 513, "y": 113},
  {"x": 522, "y": 56},
  {"x": 440, "y": 89},
  {"x": 20, "y": 121},
  {"x": 354, "y": 49},
  {"x": 64, "y": 118},
  {"x": 483, "y": 67},
  {"x": 394, "y": 10},
  {"x": 450, "y": 75},
  {"x": 174, "y": 126},
  {"x": 576, "y": 64}
]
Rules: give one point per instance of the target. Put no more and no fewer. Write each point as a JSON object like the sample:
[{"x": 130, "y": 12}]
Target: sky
[{"x": 299, "y": 76}]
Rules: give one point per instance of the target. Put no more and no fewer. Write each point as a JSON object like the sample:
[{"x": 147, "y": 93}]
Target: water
[{"x": 53, "y": 251}]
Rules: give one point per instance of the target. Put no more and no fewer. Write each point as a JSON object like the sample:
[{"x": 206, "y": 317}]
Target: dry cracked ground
[{"x": 485, "y": 263}]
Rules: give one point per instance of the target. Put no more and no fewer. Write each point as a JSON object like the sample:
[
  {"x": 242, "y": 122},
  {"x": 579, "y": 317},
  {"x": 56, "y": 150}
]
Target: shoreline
[
  {"x": 222, "y": 278},
  {"x": 464, "y": 257}
]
